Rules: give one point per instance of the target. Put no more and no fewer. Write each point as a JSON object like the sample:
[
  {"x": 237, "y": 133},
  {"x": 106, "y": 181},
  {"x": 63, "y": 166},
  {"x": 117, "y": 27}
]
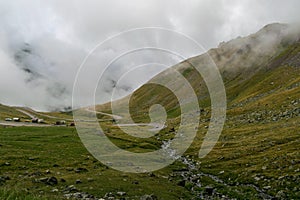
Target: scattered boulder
[
  {"x": 69, "y": 169},
  {"x": 70, "y": 188},
  {"x": 267, "y": 187},
  {"x": 149, "y": 197},
  {"x": 3, "y": 179},
  {"x": 36, "y": 173},
  {"x": 151, "y": 174},
  {"x": 48, "y": 180},
  {"x": 90, "y": 179},
  {"x": 80, "y": 195},
  {"x": 209, "y": 190},
  {"x": 6, "y": 164},
  {"x": 54, "y": 190},
  {"x": 121, "y": 193},
  {"x": 52, "y": 181},
  {"x": 281, "y": 195},
  {"x": 181, "y": 183},
  {"x": 80, "y": 170},
  {"x": 109, "y": 195},
  {"x": 32, "y": 158},
  {"x": 172, "y": 129}
]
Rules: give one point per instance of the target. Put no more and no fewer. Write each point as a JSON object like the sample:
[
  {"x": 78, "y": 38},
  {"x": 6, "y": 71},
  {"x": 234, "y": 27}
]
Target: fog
[{"x": 43, "y": 43}]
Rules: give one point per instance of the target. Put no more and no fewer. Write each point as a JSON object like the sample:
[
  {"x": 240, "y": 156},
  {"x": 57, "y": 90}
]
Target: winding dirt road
[{"x": 156, "y": 126}]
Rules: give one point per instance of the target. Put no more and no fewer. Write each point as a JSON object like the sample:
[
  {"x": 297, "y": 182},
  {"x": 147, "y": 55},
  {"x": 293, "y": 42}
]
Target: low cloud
[{"x": 43, "y": 43}]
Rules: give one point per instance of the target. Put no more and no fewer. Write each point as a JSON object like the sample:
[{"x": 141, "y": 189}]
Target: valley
[{"x": 257, "y": 155}]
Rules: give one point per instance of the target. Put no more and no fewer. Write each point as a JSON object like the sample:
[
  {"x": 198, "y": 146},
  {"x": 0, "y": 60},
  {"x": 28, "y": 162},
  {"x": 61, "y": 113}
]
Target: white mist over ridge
[{"x": 42, "y": 44}]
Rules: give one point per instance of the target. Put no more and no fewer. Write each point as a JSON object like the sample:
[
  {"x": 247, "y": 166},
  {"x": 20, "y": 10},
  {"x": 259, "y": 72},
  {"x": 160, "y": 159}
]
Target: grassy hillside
[
  {"x": 260, "y": 141},
  {"x": 10, "y": 112},
  {"x": 27, "y": 113}
]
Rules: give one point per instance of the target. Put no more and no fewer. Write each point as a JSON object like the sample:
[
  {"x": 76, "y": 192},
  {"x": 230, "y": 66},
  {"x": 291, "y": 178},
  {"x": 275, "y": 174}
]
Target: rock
[
  {"x": 108, "y": 195},
  {"x": 2, "y": 182},
  {"x": 69, "y": 169},
  {"x": 52, "y": 181},
  {"x": 54, "y": 190},
  {"x": 3, "y": 179},
  {"x": 267, "y": 187},
  {"x": 280, "y": 195},
  {"x": 209, "y": 190},
  {"x": 48, "y": 171},
  {"x": 135, "y": 182},
  {"x": 90, "y": 179},
  {"x": 172, "y": 129},
  {"x": 80, "y": 170},
  {"x": 48, "y": 180},
  {"x": 71, "y": 188},
  {"x": 78, "y": 181},
  {"x": 80, "y": 195},
  {"x": 68, "y": 196},
  {"x": 43, "y": 180},
  {"x": 121, "y": 193},
  {"x": 181, "y": 183},
  {"x": 37, "y": 173},
  {"x": 256, "y": 178},
  {"x": 62, "y": 180},
  {"x": 149, "y": 197}
]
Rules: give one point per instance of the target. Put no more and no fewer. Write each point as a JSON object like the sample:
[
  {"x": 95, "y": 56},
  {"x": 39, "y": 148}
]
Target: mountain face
[
  {"x": 245, "y": 65},
  {"x": 260, "y": 140}
]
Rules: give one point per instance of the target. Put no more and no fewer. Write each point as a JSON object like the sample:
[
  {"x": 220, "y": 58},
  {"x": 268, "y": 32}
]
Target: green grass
[
  {"x": 10, "y": 194},
  {"x": 31, "y": 151}
]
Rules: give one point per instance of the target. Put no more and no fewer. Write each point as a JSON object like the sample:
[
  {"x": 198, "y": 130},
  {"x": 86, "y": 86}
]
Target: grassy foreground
[
  {"x": 29, "y": 154},
  {"x": 244, "y": 155}
]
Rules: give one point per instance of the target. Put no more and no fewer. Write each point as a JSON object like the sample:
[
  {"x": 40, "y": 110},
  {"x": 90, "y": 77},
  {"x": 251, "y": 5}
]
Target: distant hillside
[{"x": 10, "y": 112}]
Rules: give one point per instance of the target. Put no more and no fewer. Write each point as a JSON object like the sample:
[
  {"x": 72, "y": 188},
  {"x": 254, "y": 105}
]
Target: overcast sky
[{"x": 43, "y": 42}]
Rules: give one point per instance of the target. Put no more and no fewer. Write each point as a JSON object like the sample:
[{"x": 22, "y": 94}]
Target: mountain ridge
[{"x": 261, "y": 132}]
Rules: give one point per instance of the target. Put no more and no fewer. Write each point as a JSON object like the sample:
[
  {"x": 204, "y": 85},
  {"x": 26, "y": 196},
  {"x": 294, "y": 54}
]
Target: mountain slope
[
  {"x": 260, "y": 141},
  {"x": 238, "y": 60}
]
